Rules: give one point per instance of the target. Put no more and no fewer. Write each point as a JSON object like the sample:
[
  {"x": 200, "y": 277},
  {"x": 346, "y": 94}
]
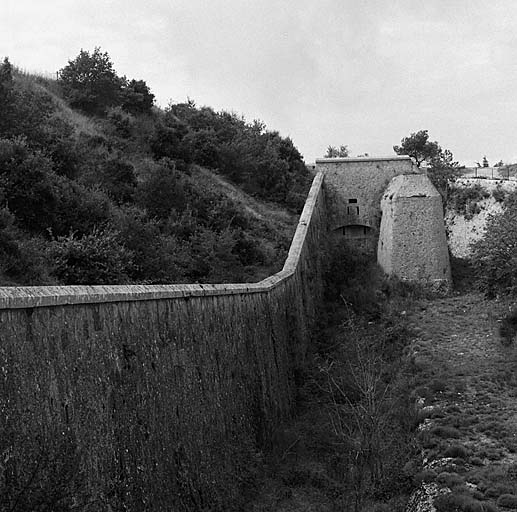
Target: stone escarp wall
[{"x": 152, "y": 397}]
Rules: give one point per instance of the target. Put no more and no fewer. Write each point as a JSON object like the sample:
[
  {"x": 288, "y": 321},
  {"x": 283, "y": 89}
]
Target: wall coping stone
[
  {"x": 17, "y": 297},
  {"x": 362, "y": 159}
]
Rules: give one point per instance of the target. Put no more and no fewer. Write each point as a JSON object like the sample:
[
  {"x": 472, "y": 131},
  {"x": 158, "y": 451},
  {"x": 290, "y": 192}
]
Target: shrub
[
  {"x": 507, "y": 501},
  {"x": 78, "y": 209},
  {"x": 136, "y": 97},
  {"x": 450, "y": 479},
  {"x": 456, "y": 451},
  {"x": 446, "y": 432},
  {"x": 161, "y": 190},
  {"x": 118, "y": 179},
  {"x": 494, "y": 256},
  {"x": 499, "y": 194},
  {"x": 122, "y": 121},
  {"x": 508, "y": 327},
  {"x": 96, "y": 258},
  {"x": 22, "y": 259},
  {"x": 453, "y": 502},
  {"x": 27, "y": 184},
  {"x": 156, "y": 258},
  {"x": 465, "y": 200}
]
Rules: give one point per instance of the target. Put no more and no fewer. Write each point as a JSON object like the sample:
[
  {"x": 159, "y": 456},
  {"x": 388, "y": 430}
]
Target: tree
[
  {"x": 90, "y": 82},
  {"x": 419, "y": 147},
  {"x": 495, "y": 254},
  {"x": 137, "y": 98},
  {"x": 6, "y": 84},
  {"x": 6, "y": 97},
  {"x": 333, "y": 152},
  {"x": 441, "y": 167}
]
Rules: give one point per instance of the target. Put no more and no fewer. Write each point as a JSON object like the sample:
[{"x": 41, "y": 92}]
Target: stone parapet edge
[
  {"x": 362, "y": 159},
  {"x": 43, "y": 296}
]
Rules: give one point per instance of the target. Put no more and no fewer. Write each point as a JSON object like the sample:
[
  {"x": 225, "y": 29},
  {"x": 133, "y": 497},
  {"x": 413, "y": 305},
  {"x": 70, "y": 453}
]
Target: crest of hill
[{"x": 181, "y": 195}]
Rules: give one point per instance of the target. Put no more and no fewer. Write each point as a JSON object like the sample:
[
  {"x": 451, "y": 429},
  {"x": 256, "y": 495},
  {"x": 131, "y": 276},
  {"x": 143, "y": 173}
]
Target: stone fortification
[
  {"x": 153, "y": 397},
  {"x": 354, "y": 188},
  {"x": 363, "y": 179},
  {"x": 412, "y": 242}
]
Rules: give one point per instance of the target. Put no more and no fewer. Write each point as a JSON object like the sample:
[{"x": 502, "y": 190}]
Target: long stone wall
[{"x": 152, "y": 397}]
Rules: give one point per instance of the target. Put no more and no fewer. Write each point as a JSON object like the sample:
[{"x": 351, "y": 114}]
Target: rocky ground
[{"x": 468, "y": 395}]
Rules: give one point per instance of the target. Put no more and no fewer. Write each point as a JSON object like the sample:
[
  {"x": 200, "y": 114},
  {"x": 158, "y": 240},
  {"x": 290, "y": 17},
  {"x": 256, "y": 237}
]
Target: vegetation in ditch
[{"x": 351, "y": 445}]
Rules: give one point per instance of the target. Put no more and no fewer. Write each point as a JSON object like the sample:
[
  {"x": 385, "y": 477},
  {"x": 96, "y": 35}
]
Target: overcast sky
[{"x": 359, "y": 72}]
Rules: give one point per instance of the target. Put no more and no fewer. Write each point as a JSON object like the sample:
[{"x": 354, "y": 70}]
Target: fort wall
[
  {"x": 354, "y": 190},
  {"x": 363, "y": 179},
  {"x": 154, "y": 397},
  {"x": 412, "y": 242}
]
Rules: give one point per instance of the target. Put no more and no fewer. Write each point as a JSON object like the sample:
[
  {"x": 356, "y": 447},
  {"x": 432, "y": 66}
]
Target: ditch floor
[{"x": 466, "y": 388}]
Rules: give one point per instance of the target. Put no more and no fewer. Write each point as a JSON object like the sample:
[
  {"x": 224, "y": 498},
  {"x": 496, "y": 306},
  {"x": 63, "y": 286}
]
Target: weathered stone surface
[
  {"x": 412, "y": 242},
  {"x": 164, "y": 394},
  {"x": 363, "y": 179}
]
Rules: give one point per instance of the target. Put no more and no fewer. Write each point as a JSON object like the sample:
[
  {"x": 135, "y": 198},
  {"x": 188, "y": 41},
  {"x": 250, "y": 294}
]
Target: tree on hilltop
[
  {"x": 6, "y": 94},
  {"x": 442, "y": 169},
  {"x": 90, "y": 82},
  {"x": 137, "y": 98},
  {"x": 419, "y": 147}
]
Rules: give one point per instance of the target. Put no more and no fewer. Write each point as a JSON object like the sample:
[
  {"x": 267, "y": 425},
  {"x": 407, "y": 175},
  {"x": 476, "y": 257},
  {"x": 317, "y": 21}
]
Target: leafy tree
[
  {"x": 90, "y": 82},
  {"x": 155, "y": 255},
  {"x": 333, "y": 152},
  {"x": 118, "y": 179},
  {"x": 495, "y": 255},
  {"x": 161, "y": 190},
  {"x": 419, "y": 147},
  {"x": 121, "y": 120},
  {"x": 443, "y": 172},
  {"x": 59, "y": 143},
  {"x": 441, "y": 167},
  {"x": 27, "y": 187},
  {"x": 6, "y": 95},
  {"x": 137, "y": 98}
]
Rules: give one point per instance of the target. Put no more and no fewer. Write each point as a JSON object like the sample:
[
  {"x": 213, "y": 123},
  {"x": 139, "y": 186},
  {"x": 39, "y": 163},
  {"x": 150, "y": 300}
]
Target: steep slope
[
  {"x": 133, "y": 195},
  {"x": 473, "y": 202}
]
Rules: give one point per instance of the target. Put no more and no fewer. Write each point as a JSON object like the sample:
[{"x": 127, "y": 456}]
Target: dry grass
[{"x": 48, "y": 85}]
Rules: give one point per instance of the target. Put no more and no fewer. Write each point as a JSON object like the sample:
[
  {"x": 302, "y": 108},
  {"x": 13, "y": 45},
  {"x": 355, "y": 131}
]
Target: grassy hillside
[{"x": 99, "y": 186}]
